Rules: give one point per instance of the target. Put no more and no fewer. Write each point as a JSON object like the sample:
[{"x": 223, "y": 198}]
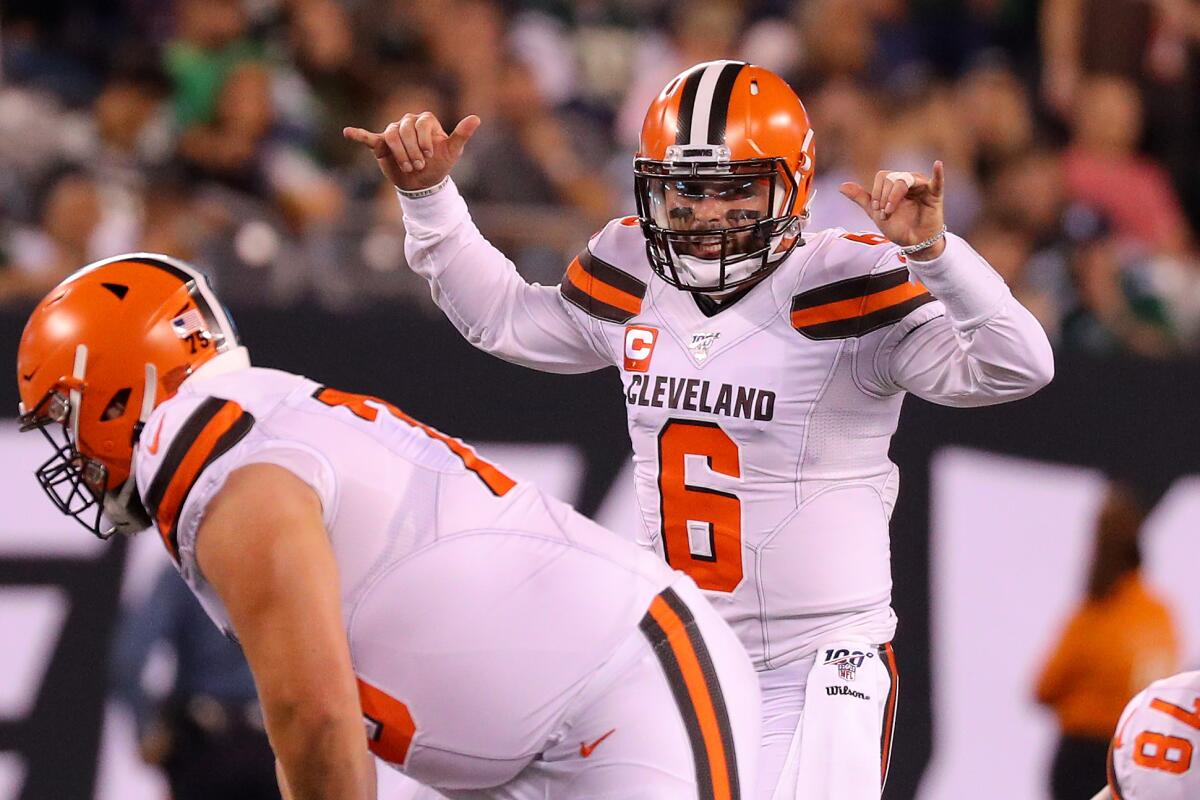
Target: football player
[
  {"x": 763, "y": 370},
  {"x": 1156, "y": 743},
  {"x": 380, "y": 575}
]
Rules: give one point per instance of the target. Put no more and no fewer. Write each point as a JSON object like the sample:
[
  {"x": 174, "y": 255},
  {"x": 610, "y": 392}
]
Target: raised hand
[
  {"x": 414, "y": 152},
  {"x": 907, "y": 207}
]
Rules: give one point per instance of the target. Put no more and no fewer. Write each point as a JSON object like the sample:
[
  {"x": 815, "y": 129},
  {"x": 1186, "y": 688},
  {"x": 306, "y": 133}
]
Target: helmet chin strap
[
  {"x": 149, "y": 393},
  {"x": 117, "y": 507},
  {"x": 806, "y": 213},
  {"x": 75, "y": 393}
]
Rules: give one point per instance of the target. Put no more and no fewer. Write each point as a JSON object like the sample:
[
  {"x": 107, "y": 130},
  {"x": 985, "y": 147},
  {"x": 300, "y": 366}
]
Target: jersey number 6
[{"x": 701, "y": 528}]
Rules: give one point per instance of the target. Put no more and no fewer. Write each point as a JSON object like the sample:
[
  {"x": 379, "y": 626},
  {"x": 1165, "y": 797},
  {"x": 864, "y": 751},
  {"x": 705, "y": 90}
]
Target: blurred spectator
[
  {"x": 1101, "y": 167},
  {"x": 530, "y": 155},
  {"x": 132, "y": 129},
  {"x": 839, "y": 40},
  {"x": 40, "y": 256},
  {"x": 325, "y": 84},
  {"x": 228, "y": 144},
  {"x": 1117, "y": 642},
  {"x": 212, "y": 128},
  {"x": 526, "y": 155},
  {"x": 1114, "y": 308},
  {"x": 1027, "y": 190},
  {"x": 210, "y": 43},
  {"x": 697, "y": 32},
  {"x": 476, "y": 70},
  {"x": 850, "y": 132},
  {"x": 207, "y": 735},
  {"x": 997, "y": 112},
  {"x": 929, "y": 125},
  {"x": 240, "y": 150},
  {"x": 1153, "y": 45},
  {"x": 1009, "y": 248}
]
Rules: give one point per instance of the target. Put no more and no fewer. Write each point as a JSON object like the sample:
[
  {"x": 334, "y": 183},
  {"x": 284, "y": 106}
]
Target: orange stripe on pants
[{"x": 701, "y": 699}]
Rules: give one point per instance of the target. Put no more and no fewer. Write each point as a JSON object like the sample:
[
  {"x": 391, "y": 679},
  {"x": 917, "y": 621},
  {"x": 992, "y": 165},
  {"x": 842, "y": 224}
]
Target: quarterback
[
  {"x": 393, "y": 591},
  {"x": 763, "y": 369},
  {"x": 1155, "y": 752}
]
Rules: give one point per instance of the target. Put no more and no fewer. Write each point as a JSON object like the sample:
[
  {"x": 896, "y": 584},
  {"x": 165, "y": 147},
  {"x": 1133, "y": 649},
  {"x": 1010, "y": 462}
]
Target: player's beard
[{"x": 709, "y": 247}]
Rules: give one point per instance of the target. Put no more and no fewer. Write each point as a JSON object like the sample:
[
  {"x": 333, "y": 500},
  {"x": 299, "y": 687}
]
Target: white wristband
[{"x": 413, "y": 195}]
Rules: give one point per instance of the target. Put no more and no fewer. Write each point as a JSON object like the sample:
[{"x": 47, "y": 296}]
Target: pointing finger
[
  {"x": 372, "y": 140},
  {"x": 361, "y": 136},
  {"x": 857, "y": 195}
]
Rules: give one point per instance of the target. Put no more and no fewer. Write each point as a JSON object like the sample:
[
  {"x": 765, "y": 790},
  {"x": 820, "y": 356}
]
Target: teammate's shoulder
[
  {"x": 183, "y": 436},
  {"x": 203, "y": 420},
  {"x": 852, "y": 283},
  {"x": 609, "y": 278}
]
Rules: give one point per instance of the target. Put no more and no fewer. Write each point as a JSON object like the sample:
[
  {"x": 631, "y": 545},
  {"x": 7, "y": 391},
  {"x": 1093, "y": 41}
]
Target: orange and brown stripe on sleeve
[
  {"x": 675, "y": 637},
  {"x": 212, "y": 429},
  {"x": 601, "y": 290},
  {"x": 887, "y": 657},
  {"x": 857, "y": 306}
]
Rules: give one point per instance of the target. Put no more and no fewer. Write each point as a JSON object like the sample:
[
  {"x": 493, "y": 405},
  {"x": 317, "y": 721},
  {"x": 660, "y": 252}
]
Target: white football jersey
[
  {"x": 1155, "y": 752},
  {"x": 760, "y": 433},
  {"x": 476, "y": 607}
]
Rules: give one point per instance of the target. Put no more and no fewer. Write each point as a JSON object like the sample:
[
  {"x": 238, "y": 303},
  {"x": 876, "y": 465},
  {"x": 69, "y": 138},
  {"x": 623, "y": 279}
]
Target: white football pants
[{"x": 827, "y": 723}]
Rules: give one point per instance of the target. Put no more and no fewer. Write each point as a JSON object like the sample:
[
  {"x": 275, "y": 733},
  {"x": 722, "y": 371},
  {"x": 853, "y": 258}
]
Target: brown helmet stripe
[{"x": 687, "y": 105}]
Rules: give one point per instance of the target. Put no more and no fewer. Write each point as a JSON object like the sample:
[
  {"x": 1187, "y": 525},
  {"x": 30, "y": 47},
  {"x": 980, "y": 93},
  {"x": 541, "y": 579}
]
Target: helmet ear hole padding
[{"x": 117, "y": 405}]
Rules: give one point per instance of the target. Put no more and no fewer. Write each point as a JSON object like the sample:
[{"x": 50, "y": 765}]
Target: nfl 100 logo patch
[
  {"x": 847, "y": 661},
  {"x": 701, "y": 343}
]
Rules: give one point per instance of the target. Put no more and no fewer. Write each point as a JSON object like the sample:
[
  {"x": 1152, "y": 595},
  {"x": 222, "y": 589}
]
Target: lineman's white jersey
[
  {"x": 488, "y": 623},
  {"x": 1155, "y": 753},
  {"x": 760, "y": 434}
]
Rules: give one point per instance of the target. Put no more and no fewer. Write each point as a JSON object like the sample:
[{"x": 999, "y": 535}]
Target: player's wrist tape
[
  {"x": 930, "y": 242},
  {"x": 414, "y": 194}
]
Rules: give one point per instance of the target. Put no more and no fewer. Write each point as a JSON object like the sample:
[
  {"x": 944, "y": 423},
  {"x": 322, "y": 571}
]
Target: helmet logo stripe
[
  {"x": 720, "y": 102},
  {"x": 687, "y": 105},
  {"x": 703, "y": 104}
]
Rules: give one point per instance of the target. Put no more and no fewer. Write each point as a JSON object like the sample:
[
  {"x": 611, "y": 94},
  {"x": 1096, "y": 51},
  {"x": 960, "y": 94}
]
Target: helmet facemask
[
  {"x": 77, "y": 484},
  {"x": 712, "y": 226}
]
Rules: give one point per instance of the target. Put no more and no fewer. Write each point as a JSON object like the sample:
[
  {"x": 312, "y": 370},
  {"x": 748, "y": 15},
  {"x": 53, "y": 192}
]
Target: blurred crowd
[{"x": 211, "y": 129}]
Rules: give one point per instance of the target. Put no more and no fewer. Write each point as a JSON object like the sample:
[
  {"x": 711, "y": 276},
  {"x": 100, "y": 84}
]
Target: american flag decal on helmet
[{"x": 189, "y": 322}]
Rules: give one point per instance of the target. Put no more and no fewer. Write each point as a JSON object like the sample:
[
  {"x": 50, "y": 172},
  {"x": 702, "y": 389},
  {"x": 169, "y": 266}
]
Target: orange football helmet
[
  {"x": 99, "y": 353},
  {"x": 736, "y": 134}
]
